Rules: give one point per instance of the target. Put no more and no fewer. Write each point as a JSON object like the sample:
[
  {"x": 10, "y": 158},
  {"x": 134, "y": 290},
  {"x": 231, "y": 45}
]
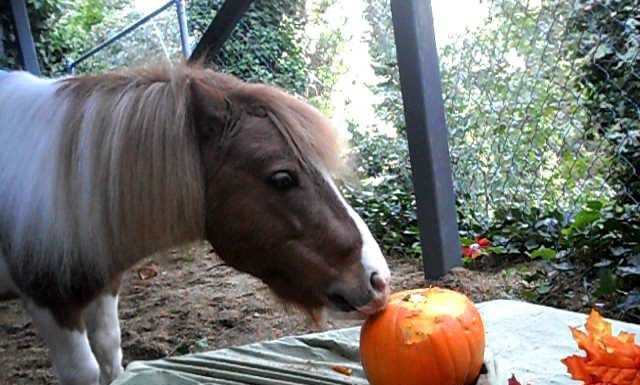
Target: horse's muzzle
[{"x": 365, "y": 299}]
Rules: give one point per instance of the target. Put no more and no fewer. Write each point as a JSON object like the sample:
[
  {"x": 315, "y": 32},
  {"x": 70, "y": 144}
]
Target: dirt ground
[{"x": 197, "y": 302}]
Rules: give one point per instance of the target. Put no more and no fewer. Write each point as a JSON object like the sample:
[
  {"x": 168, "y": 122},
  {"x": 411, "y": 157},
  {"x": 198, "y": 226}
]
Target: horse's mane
[
  {"x": 310, "y": 135},
  {"x": 130, "y": 180},
  {"x": 129, "y": 173}
]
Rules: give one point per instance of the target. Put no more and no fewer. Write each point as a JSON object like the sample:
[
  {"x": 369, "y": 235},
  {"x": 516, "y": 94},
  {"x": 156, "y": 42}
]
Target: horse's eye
[{"x": 283, "y": 180}]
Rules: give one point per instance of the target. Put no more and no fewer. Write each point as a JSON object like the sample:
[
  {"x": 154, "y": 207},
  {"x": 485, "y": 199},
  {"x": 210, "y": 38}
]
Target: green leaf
[
  {"x": 544, "y": 253},
  {"x": 608, "y": 284},
  {"x": 602, "y": 51},
  {"x": 495, "y": 250},
  {"x": 584, "y": 218},
  {"x": 543, "y": 289},
  {"x": 183, "y": 348},
  {"x": 618, "y": 251},
  {"x": 631, "y": 301},
  {"x": 467, "y": 241},
  {"x": 567, "y": 231},
  {"x": 625, "y": 271},
  {"x": 531, "y": 244},
  {"x": 528, "y": 295},
  {"x": 595, "y": 205},
  {"x": 201, "y": 344}
]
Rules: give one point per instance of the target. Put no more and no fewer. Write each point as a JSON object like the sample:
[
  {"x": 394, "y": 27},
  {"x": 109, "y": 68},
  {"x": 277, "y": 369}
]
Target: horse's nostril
[{"x": 378, "y": 283}]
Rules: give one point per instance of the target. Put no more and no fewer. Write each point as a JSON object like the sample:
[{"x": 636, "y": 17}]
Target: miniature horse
[{"x": 97, "y": 172}]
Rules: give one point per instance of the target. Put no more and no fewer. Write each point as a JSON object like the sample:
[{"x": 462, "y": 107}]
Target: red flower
[
  {"x": 474, "y": 250},
  {"x": 468, "y": 252},
  {"x": 482, "y": 242}
]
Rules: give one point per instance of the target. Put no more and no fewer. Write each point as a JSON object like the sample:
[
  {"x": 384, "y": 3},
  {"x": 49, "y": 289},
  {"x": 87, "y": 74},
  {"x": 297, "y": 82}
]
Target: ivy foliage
[
  {"x": 61, "y": 29},
  {"x": 274, "y": 27},
  {"x": 542, "y": 108},
  {"x": 609, "y": 78},
  {"x": 269, "y": 45}
]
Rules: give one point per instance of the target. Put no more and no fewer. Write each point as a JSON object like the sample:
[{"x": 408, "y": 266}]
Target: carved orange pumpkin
[{"x": 428, "y": 336}]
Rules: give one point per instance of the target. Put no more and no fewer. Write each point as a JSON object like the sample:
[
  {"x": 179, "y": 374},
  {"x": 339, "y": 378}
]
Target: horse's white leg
[
  {"x": 69, "y": 348},
  {"x": 103, "y": 327}
]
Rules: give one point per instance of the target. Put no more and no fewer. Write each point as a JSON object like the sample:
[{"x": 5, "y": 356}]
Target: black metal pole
[
  {"x": 28, "y": 55},
  {"x": 427, "y": 134},
  {"x": 182, "y": 26},
  {"x": 220, "y": 29}
]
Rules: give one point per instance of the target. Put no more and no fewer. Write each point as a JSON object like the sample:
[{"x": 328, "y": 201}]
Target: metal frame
[
  {"x": 26, "y": 46},
  {"x": 214, "y": 37},
  {"x": 220, "y": 29},
  {"x": 427, "y": 135},
  {"x": 182, "y": 27},
  {"x": 182, "y": 24}
]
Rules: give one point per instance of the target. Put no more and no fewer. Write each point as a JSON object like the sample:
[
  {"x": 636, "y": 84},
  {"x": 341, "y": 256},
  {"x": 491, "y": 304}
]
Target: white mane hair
[{"x": 96, "y": 172}]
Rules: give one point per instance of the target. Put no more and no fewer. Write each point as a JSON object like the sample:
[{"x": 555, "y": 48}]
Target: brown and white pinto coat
[{"x": 97, "y": 172}]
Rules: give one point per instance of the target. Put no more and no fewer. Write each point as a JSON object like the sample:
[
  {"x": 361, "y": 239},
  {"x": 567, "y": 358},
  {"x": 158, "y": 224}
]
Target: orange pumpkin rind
[{"x": 430, "y": 336}]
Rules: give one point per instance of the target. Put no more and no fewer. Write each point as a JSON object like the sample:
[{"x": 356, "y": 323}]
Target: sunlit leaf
[
  {"x": 585, "y": 218},
  {"x": 544, "y": 253},
  {"x": 602, "y": 51},
  {"x": 609, "y": 360}
]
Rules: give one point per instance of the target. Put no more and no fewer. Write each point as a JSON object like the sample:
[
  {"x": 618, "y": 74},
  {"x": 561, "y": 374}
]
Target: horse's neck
[{"x": 29, "y": 125}]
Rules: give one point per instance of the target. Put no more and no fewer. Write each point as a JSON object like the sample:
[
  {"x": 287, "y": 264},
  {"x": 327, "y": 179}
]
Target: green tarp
[
  {"x": 301, "y": 360},
  {"x": 524, "y": 339}
]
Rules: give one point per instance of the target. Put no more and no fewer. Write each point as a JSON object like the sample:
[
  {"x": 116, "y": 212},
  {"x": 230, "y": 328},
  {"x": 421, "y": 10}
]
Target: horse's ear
[{"x": 211, "y": 109}]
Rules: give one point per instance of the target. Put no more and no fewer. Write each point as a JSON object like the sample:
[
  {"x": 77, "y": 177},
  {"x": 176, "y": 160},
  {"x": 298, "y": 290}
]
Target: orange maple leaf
[{"x": 610, "y": 360}]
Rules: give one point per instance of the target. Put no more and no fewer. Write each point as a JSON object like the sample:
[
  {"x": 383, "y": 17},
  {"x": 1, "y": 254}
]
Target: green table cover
[{"x": 523, "y": 339}]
